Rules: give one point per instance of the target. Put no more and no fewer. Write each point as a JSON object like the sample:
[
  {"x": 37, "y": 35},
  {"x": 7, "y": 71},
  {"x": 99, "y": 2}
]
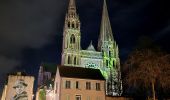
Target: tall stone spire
[{"x": 105, "y": 28}]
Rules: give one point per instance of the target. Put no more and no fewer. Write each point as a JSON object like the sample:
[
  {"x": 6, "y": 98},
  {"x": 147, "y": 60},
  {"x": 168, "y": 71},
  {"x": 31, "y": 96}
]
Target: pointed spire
[
  {"x": 72, "y": 7},
  {"x": 105, "y": 28},
  {"x": 91, "y": 47}
]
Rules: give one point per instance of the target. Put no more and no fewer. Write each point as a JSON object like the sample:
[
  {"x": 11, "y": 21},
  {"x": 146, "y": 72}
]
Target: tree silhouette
[{"x": 148, "y": 68}]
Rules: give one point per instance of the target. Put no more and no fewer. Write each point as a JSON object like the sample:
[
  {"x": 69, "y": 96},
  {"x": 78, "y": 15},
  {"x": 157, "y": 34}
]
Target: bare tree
[{"x": 148, "y": 68}]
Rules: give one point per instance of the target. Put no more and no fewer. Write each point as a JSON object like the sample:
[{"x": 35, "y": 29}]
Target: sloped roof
[{"x": 79, "y": 72}]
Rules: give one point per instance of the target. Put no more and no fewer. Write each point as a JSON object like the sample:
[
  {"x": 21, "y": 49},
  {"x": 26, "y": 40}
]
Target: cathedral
[{"x": 105, "y": 58}]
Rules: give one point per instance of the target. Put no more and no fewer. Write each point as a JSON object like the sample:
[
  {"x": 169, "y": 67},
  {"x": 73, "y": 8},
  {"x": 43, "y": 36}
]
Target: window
[
  {"x": 68, "y": 84},
  {"x": 67, "y": 97},
  {"x": 77, "y": 85},
  {"x": 88, "y": 98},
  {"x": 77, "y": 25},
  {"x": 72, "y": 39},
  {"x": 107, "y": 63},
  {"x": 78, "y": 97},
  {"x": 72, "y": 25},
  {"x": 98, "y": 86},
  {"x": 88, "y": 85},
  {"x": 68, "y": 24},
  {"x": 74, "y": 60},
  {"x": 110, "y": 54},
  {"x": 98, "y": 98},
  {"x": 69, "y": 60}
]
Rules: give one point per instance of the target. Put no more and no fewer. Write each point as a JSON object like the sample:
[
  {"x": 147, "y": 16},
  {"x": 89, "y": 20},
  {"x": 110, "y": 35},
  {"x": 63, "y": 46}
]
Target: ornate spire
[
  {"x": 105, "y": 28},
  {"x": 72, "y": 7}
]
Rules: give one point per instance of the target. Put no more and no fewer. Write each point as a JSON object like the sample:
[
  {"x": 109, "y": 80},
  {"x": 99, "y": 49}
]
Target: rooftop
[{"x": 79, "y": 72}]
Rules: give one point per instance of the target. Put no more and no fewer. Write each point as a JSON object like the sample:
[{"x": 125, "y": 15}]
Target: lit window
[
  {"x": 88, "y": 86},
  {"x": 68, "y": 84},
  {"x": 78, "y": 97},
  {"x": 98, "y": 86}
]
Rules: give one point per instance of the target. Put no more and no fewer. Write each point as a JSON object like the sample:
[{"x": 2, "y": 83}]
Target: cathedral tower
[
  {"x": 71, "y": 37},
  {"x": 109, "y": 49}
]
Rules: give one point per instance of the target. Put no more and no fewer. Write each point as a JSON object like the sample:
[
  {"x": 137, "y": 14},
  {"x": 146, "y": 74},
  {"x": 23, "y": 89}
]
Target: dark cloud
[
  {"x": 26, "y": 24},
  {"x": 162, "y": 33}
]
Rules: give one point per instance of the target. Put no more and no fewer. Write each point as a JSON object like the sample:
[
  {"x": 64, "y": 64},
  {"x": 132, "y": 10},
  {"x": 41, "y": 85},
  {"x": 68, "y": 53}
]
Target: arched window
[
  {"x": 110, "y": 54},
  {"x": 69, "y": 24},
  {"x": 72, "y": 39},
  {"x": 75, "y": 60},
  {"x": 69, "y": 60},
  {"x": 72, "y": 25},
  {"x": 77, "y": 25},
  {"x": 107, "y": 62}
]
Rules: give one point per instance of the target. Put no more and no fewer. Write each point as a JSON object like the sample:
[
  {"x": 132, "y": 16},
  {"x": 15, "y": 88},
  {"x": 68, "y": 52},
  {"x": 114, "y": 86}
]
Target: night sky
[{"x": 31, "y": 30}]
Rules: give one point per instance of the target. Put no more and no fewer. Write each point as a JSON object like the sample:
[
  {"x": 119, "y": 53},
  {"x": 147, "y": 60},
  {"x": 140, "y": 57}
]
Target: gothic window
[
  {"x": 72, "y": 25},
  {"x": 114, "y": 64},
  {"x": 74, "y": 60},
  {"x": 107, "y": 62},
  {"x": 77, "y": 25},
  {"x": 69, "y": 60},
  {"x": 110, "y": 54},
  {"x": 72, "y": 39},
  {"x": 69, "y": 24}
]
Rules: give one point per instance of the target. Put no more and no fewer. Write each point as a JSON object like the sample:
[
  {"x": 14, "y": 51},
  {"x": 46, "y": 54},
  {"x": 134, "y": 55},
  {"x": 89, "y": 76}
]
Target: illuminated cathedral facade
[{"x": 105, "y": 58}]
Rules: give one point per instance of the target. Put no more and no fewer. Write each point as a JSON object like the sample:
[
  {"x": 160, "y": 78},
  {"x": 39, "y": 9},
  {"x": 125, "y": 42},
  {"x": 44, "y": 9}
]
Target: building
[
  {"x": 73, "y": 83},
  {"x": 19, "y": 87},
  {"x": 105, "y": 58},
  {"x": 46, "y": 75}
]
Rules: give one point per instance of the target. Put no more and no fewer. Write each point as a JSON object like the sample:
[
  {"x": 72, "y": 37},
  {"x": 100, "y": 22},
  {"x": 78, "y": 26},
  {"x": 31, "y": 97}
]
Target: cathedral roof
[
  {"x": 79, "y": 72},
  {"x": 91, "y": 47}
]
